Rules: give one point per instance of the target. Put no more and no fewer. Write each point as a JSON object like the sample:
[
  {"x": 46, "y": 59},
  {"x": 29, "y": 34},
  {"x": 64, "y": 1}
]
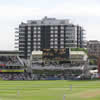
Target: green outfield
[{"x": 49, "y": 90}]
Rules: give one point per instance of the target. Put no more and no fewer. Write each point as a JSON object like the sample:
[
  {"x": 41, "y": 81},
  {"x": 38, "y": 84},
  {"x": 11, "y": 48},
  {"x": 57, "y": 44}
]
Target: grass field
[{"x": 49, "y": 90}]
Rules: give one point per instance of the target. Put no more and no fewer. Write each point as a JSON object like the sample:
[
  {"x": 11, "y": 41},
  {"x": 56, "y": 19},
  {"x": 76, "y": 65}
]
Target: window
[
  {"x": 70, "y": 41},
  {"x": 51, "y": 39},
  {"x": 68, "y": 34},
  {"x": 28, "y": 54},
  {"x": 52, "y": 36},
  {"x": 29, "y": 39},
  {"x": 29, "y": 28},
  {"x": 55, "y": 46},
  {"x": 56, "y": 28},
  {"x": 61, "y": 46},
  {"x": 38, "y": 35},
  {"x": 56, "y": 31},
  {"x": 34, "y": 47},
  {"x": 62, "y": 35},
  {"x": 38, "y": 43},
  {"x": 34, "y": 43},
  {"x": 34, "y": 35},
  {"x": 51, "y": 46},
  {"x": 21, "y": 29},
  {"x": 38, "y": 39},
  {"x": 29, "y": 50},
  {"x": 56, "y": 39},
  {"x": 38, "y": 46},
  {"x": 35, "y": 31},
  {"x": 28, "y": 47},
  {"x": 34, "y": 28},
  {"x": 62, "y": 39},
  {"x": 51, "y": 32},
  {"x": 51, "y": 28},
  {"x": 61, "y": 42},
  {"x": 39, "y": 28},
  {"x": 38, "y": 31},
  {"x": 28, "y": 43},
  {"x": 29, "y": 32},
  {"x": 62, "y": 31},
  {"x": 34, "y": 39},
  {"x": 55, "y": 42},
  {"x": 29, "y": 36},
  {"x": 56, "y": 35},
  {"x": 51, "y": 42},
  {"x": 62, "y": 27}
]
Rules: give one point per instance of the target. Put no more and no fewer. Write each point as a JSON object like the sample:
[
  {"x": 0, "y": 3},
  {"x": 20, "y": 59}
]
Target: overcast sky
[{"x": 12, "y": 12}]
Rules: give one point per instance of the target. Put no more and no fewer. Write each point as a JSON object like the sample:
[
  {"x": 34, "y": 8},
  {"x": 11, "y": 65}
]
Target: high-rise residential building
[
  {"x": 48, "y": 33},
  {"x": 93, "y": 47}
]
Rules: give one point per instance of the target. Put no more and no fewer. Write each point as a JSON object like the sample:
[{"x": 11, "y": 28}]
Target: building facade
[
  {"x": 48, "y": 33},
  {"x": 93, "y": 47}
]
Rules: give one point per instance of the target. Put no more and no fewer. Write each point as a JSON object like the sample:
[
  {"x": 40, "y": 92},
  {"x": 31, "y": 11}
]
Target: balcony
[
  {"x": 16, "y": 35},
  {"x": 16, "y": 46},
  {"x": 16, "y": 31},
  {"x": 16, "y": 39},
  {"x": 16, "y": 28}
]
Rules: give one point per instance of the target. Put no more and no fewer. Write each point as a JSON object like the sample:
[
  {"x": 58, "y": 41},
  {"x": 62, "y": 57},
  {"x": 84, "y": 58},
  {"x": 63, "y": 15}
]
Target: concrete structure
[
  {"x": 93, "y": 47},
  {"x": 48, "y": 33},
  {"x": 78, "y": 57},
  {"x": 71, "y": 67},
  {"x": 11, "y": 62},
  {"x": 37, "y": 57}
]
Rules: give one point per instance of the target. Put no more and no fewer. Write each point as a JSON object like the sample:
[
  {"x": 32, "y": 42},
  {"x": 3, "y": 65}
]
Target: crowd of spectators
[
  {"x": 9, "y": 60},
  {"x": 65, "y": 65},
  {"x": 15, "y": 76},
  {"x": 58, "y": 70},
  {"x": 23, "y": 76},
  {"x": 60, "y": 76}
]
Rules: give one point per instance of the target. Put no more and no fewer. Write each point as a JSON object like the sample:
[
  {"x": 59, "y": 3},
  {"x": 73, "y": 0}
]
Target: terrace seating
[
  {"x": 14, "y": 76},
  {"x": 9, "y": 60}
]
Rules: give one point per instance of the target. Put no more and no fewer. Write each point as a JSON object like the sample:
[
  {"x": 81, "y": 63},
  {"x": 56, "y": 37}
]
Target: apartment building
[{"x": 36, "y": 35}]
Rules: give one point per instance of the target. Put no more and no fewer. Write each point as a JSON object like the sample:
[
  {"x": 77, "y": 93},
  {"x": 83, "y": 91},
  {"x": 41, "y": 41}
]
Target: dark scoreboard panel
[{"x": 58, "y": 54}]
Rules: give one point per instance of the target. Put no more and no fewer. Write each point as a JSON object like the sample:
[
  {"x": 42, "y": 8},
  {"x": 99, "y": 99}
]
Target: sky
[{"x": 12, "y": 12}]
